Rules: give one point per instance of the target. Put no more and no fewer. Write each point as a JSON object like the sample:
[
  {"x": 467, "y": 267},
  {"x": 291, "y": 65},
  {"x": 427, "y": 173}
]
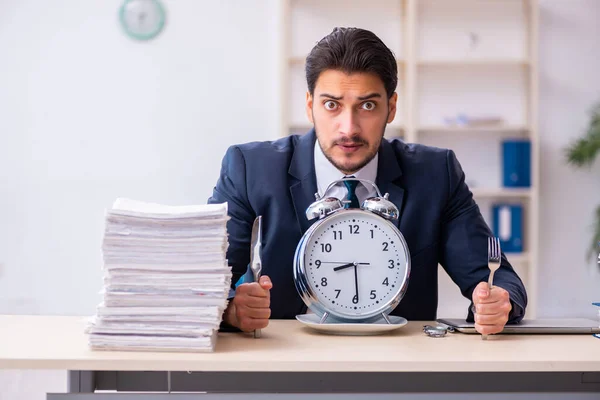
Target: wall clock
[{"x": 142, "y": 19}]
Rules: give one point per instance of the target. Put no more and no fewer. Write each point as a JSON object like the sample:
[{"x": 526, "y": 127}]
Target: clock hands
[
  {"x": 348, "y": 265},
  {"x": 344, "y": 266},
  {"x": 339, "y": 262},
  {"x": 356, "y": 282}
]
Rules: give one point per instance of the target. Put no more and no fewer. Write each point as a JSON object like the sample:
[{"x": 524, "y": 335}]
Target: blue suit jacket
[{"x": 438, "y": 218}]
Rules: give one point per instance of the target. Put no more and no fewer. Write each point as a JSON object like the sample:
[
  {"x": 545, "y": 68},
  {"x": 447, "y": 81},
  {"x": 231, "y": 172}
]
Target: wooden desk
[{"x": 291, "y": 358}]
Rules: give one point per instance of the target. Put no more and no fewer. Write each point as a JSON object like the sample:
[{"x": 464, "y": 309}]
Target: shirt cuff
[{"x": 231, "y": 294}]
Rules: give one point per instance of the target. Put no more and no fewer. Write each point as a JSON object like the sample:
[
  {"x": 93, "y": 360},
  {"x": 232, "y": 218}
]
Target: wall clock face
[{"x": 142, "y": 19}]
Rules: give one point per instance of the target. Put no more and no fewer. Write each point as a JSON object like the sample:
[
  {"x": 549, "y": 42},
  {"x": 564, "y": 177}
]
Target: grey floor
[
  {"x": 34, "y": 384},
  {"x": 31, "y": 384}
]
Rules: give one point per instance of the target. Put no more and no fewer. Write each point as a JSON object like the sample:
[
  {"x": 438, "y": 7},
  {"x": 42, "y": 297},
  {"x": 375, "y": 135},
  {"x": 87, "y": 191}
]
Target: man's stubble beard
[{"x": 345, "y": 140}]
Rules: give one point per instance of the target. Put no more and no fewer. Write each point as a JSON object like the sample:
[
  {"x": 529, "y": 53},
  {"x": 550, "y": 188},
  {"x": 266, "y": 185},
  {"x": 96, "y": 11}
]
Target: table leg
[{"x": 81, "y": 382}]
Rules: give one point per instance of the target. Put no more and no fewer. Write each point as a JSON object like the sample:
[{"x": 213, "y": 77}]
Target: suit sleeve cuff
[{"x": 516, "y": 313}]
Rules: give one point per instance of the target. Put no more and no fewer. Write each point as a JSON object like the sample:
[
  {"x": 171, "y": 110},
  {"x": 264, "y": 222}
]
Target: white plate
[{"x": 375, "y": 328}]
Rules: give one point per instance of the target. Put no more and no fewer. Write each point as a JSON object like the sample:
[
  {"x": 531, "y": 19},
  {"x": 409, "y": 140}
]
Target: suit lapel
[
  {"x": 388, "y": 173},
  {"x": 303, "y": 185}
]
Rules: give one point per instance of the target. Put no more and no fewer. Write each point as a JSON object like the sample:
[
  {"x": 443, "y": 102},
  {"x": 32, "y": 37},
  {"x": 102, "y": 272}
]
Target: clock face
[
  {"x": 355, "y": 263},
  {"x": 142, "y": 19}
]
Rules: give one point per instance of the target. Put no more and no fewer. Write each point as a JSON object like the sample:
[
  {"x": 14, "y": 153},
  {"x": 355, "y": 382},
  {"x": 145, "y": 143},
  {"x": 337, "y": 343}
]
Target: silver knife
[{"x": 255, "y": 259}]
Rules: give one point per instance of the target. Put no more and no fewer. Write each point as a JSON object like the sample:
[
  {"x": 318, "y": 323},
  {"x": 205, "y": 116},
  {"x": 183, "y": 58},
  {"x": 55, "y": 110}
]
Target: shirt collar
[{"x": 326, "y": 172}]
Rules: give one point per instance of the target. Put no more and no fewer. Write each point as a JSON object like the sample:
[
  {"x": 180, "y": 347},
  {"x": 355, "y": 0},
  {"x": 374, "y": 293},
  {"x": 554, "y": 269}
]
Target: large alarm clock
[{"x": 353, "y": 264}]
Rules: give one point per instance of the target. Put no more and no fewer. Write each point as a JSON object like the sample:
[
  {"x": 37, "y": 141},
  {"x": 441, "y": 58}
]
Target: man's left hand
[{"x": 492, "y": 308}]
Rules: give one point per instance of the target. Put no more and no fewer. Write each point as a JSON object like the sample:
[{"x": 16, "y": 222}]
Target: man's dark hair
[{"x": 352, "y": 50}]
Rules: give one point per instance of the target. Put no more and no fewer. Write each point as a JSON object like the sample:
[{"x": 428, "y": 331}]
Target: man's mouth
[{"x": 349, "y": 147}]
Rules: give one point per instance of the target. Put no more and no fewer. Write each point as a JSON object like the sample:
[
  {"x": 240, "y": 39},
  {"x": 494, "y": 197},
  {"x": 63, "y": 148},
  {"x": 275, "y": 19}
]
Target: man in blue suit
[{"x": 352, "y": 77}]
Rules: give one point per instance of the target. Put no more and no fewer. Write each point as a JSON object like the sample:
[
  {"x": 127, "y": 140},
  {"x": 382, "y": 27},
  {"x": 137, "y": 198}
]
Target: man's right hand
[{"x": 250, "y": 308}]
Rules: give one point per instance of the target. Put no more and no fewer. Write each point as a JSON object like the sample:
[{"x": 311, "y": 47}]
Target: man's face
[{"x": 349, "y": 113}]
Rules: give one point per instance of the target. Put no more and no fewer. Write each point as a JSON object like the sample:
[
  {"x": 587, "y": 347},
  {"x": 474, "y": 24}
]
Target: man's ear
[
  {"x": 309, "y": 105},
  {"x": 392, "y": 107}
]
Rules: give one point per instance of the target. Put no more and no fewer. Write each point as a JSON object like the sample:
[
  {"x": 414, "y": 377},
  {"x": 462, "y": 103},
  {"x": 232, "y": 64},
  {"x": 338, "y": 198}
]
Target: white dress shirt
[{"x": 326, "y": 173}]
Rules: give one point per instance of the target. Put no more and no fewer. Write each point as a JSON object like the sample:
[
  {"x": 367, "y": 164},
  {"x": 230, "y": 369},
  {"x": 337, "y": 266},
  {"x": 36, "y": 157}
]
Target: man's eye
[
  {"x": 368, "y": 105},
  {"x": 330, "y": 105}
]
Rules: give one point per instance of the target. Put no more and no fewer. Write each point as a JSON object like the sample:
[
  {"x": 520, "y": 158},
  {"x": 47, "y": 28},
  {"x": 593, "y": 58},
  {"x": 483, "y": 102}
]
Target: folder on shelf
[
  {"x": 516, "y": 163},
  {"x": 508, "y": 227}
]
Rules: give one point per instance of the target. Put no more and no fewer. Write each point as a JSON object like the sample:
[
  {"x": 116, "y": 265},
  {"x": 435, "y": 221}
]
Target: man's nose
[{"x": 348, "y": 123}]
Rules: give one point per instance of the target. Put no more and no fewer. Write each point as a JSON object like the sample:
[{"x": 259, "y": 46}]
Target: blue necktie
[{"x": 351, "y": 196}]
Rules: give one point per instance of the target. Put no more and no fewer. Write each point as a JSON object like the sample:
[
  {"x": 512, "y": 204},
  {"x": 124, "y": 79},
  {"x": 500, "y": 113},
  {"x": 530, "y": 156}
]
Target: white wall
[
  {"x": 87, "y": 115},
  {"x": 569, "y": 86}
]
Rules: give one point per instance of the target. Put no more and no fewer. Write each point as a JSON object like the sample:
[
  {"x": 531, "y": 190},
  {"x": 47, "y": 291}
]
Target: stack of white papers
[{"x": 166, "y": 277}]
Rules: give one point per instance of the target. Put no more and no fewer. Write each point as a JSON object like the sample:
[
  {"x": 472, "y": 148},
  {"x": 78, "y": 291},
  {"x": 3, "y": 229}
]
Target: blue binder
[
  {"x": 516, "y": 163},
  {"x": 508, "y": 227}
]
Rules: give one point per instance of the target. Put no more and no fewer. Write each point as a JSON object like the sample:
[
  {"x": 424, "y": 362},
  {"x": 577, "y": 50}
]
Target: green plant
[{"x": 581, "y": 153}]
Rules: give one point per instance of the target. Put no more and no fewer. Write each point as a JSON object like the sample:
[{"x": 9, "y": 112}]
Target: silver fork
[{"x": 494, "y": 257}]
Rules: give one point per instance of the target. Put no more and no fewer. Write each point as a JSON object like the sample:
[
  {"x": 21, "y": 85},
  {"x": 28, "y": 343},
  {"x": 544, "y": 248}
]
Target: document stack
[{"x": 166, "y": 278}]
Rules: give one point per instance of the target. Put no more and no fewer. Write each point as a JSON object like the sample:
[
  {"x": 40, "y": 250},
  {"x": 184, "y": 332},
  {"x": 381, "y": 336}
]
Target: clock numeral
[
  {"x": 386, "y": 282},
  {"x": 385, "y": 246},
  {"x": 391, "y": 266},
  {"x": 318, "y": 263},
  {"x": 338, "y": 293},
  {"x": 372, "y": 234},
  {"x": 324, "y": 281},
  {"x": 355, "y": 299},
  {"x": 373, "y": 294},
  {"x": 326, "y": 247},
  {"x": 336, "y": 234},
  {"x": 353, "y": 229}
]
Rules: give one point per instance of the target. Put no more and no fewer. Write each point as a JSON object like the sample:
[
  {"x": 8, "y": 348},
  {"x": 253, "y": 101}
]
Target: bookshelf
[
  {"x": 514, "y": 130},
  {"x": 455, "y": 57}
]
